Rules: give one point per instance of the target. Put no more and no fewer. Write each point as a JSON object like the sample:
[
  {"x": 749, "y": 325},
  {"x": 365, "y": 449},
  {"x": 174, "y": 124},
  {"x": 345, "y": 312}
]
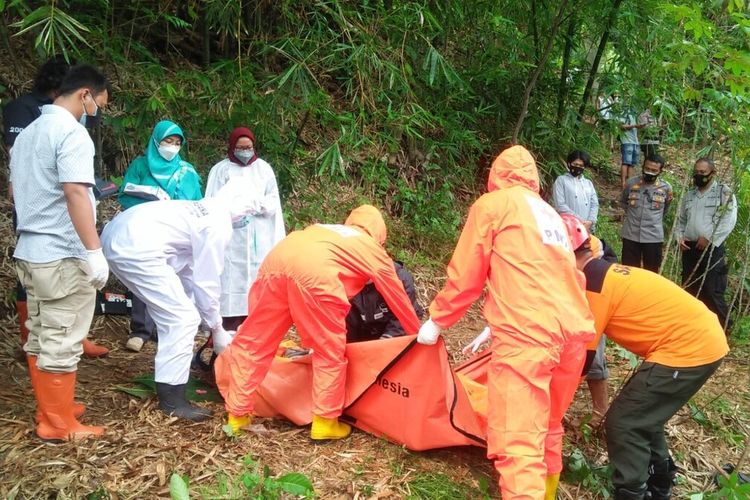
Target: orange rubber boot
[
  {"x": 23, "y": 314},
  {"x": 91, "y": 350},
  {"x": 55, "y": 398},
  {"x": 78, "y": 408}
]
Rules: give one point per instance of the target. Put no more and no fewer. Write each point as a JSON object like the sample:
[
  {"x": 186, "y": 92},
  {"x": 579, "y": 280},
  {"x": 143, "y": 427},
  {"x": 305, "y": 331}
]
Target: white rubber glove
[
  {"x": 98, "y": 269},
  {"x": 265, "y": 208},
  {"x": 428, "y": 333},
  {"x": 222, "y": 338},
  {"x": 477, "y": 342}
]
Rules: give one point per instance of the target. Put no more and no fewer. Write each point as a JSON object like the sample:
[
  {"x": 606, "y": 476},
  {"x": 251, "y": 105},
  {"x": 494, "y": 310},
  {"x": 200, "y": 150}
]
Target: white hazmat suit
[
  {"x": 259, "y": 233},
  {"x": 171, "y": 254}
]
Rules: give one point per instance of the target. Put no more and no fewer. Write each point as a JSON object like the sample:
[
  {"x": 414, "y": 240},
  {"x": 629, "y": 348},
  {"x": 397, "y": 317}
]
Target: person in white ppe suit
[
  {"x": 262, "y": 229},
  {"x": 171, "y": 254}
]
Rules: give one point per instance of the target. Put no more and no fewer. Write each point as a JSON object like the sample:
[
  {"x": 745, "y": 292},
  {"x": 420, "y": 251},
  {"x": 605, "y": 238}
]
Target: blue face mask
[{"x": 85, "y": 114}]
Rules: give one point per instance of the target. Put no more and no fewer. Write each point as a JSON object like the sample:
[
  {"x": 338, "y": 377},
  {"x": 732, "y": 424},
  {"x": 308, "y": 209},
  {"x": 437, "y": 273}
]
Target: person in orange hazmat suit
[
  {"x": 516, "y": 244},
  {"x": 307, "y": 280}
]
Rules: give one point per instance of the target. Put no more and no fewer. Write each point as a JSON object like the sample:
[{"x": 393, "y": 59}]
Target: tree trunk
[
  {"x": 534, "y": 32},
  {"x": 206, "y": 35},
  {"x": 563, "y": 88},
  {"x": 538, "y": 70},
  {"x": 597, "y": 60}
]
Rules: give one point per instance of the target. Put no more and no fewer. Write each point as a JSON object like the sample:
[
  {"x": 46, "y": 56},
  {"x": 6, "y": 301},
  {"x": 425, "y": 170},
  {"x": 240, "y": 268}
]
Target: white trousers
[{"x": 174, "y": 314}]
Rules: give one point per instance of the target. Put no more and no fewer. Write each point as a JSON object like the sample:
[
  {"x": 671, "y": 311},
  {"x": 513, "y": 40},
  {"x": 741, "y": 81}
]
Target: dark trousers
[
  {"x": 649, "y": 150},
  {"x": 633, "y": 253},
  {"x": 141, "y": 324},
  {"x": 232, "y": 322},
  {"x": 704, "y": 275},
  {"x": 635, "y": 420}
]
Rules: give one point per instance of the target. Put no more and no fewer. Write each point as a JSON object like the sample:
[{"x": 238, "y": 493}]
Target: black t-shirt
[{"x": 20, "y": 112}]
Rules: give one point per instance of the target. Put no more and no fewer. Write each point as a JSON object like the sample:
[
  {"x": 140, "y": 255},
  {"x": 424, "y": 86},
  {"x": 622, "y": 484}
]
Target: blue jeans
[{"x": 630, "y": 154}]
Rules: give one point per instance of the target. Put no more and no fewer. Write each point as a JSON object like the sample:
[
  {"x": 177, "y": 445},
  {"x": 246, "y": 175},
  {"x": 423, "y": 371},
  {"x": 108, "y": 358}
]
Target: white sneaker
[{"x": 134, "y": 344}]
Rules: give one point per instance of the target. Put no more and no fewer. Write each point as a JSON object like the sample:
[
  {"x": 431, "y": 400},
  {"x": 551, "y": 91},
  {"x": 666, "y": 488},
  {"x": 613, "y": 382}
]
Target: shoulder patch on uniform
[{"x": 726, "y": 194}]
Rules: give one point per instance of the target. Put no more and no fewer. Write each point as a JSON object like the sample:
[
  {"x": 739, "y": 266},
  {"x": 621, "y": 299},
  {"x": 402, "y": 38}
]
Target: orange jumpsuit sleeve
[
  {"x": 390, "y": 286},
  {"x": 467, "y": 270}
]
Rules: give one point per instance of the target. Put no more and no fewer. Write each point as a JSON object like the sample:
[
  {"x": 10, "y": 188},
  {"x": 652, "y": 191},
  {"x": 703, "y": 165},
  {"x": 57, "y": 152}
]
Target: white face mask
[
  {"x": 85, "y": 114},
  {"x": 168, "y": 151},
  {"x": 244, "y": 155}
]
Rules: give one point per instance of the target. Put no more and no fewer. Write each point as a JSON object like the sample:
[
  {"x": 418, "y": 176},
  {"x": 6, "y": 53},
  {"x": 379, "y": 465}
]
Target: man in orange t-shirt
[{"x": 683, "y": 344}]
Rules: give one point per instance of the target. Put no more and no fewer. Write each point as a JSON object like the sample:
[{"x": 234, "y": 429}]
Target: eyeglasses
[{"x": 243, "y": 148}]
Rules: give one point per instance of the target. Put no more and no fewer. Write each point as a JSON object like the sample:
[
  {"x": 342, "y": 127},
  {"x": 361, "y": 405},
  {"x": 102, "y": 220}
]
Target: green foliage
[
  {"x": 252, "y": 482},
  {"x": 55, "y": 29},
  {"x": 609, "y": 231},
  {"x": 405, "y": 103},
  {"x": 145, "y": 387},
  {"x": 578, "y": 470},
  {"x": 698, "y": 415},
  {"x": 728, "y": 489},
  {"x": 621, "y": 352},
  {"x": 179, "y": 488},
  {"x": 433, "y": 485},
  {"x": 741, "y": 332}
]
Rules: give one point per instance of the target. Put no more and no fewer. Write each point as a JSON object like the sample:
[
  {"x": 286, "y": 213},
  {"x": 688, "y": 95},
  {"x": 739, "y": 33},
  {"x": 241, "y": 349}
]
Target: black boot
[
  {"x": 742, "y": 478},
  {"x": 626, "y": 494},
  {"x": 661, "y": 478},
  {"x": 172, "y": 401}
]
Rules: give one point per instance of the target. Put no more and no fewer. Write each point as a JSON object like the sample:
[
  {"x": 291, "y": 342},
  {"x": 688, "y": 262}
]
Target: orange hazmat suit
[
  {"x": 516, "y": 244},
  {"x": 307, "y": 280}
]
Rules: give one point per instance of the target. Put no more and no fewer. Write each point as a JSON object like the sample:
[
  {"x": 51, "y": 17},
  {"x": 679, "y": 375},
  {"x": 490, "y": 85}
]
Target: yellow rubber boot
[
  {"x": 550, "y": 490},
  {"x": 238, "y": 423},
  {"x": 328, "y": 428}
]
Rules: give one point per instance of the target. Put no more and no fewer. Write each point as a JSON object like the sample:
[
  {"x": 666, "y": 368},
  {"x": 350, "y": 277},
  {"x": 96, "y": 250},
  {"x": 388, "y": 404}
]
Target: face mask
[
  {"x": 701, "y": 180},
  {"x": 649, "y": 177},
  {"x": 168, "y": 151},
  {"x": 575, "y": 171},
  {"x": 85, "y": 115},
  {"x": 244, "y": 155}
]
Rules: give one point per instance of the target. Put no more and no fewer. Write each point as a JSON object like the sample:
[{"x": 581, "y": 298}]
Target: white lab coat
[
  {"x": 251, "y": 243},
  {"x": 171, "y": 254}
]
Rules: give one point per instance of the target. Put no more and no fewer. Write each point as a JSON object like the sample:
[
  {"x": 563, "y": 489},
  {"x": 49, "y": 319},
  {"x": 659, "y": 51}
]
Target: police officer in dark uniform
[{"x": 646, "y": 200}]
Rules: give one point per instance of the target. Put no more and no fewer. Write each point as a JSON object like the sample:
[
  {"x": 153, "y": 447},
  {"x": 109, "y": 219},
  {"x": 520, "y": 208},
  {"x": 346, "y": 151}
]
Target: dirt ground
[{"x": 142, "y": 447}]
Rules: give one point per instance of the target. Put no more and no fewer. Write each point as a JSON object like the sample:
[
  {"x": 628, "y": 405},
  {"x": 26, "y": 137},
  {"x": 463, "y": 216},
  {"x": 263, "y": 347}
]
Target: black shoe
[
  {"x": 626, "y": 494},
  {"x": 661, "y": 479},
  {"x": 172, "y": 401},
  {"x": 729, "y": 469}
]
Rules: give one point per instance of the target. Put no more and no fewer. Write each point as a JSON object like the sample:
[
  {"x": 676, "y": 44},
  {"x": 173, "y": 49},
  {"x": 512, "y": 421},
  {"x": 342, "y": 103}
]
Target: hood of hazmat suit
[{"x": 370, "y": 220}]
